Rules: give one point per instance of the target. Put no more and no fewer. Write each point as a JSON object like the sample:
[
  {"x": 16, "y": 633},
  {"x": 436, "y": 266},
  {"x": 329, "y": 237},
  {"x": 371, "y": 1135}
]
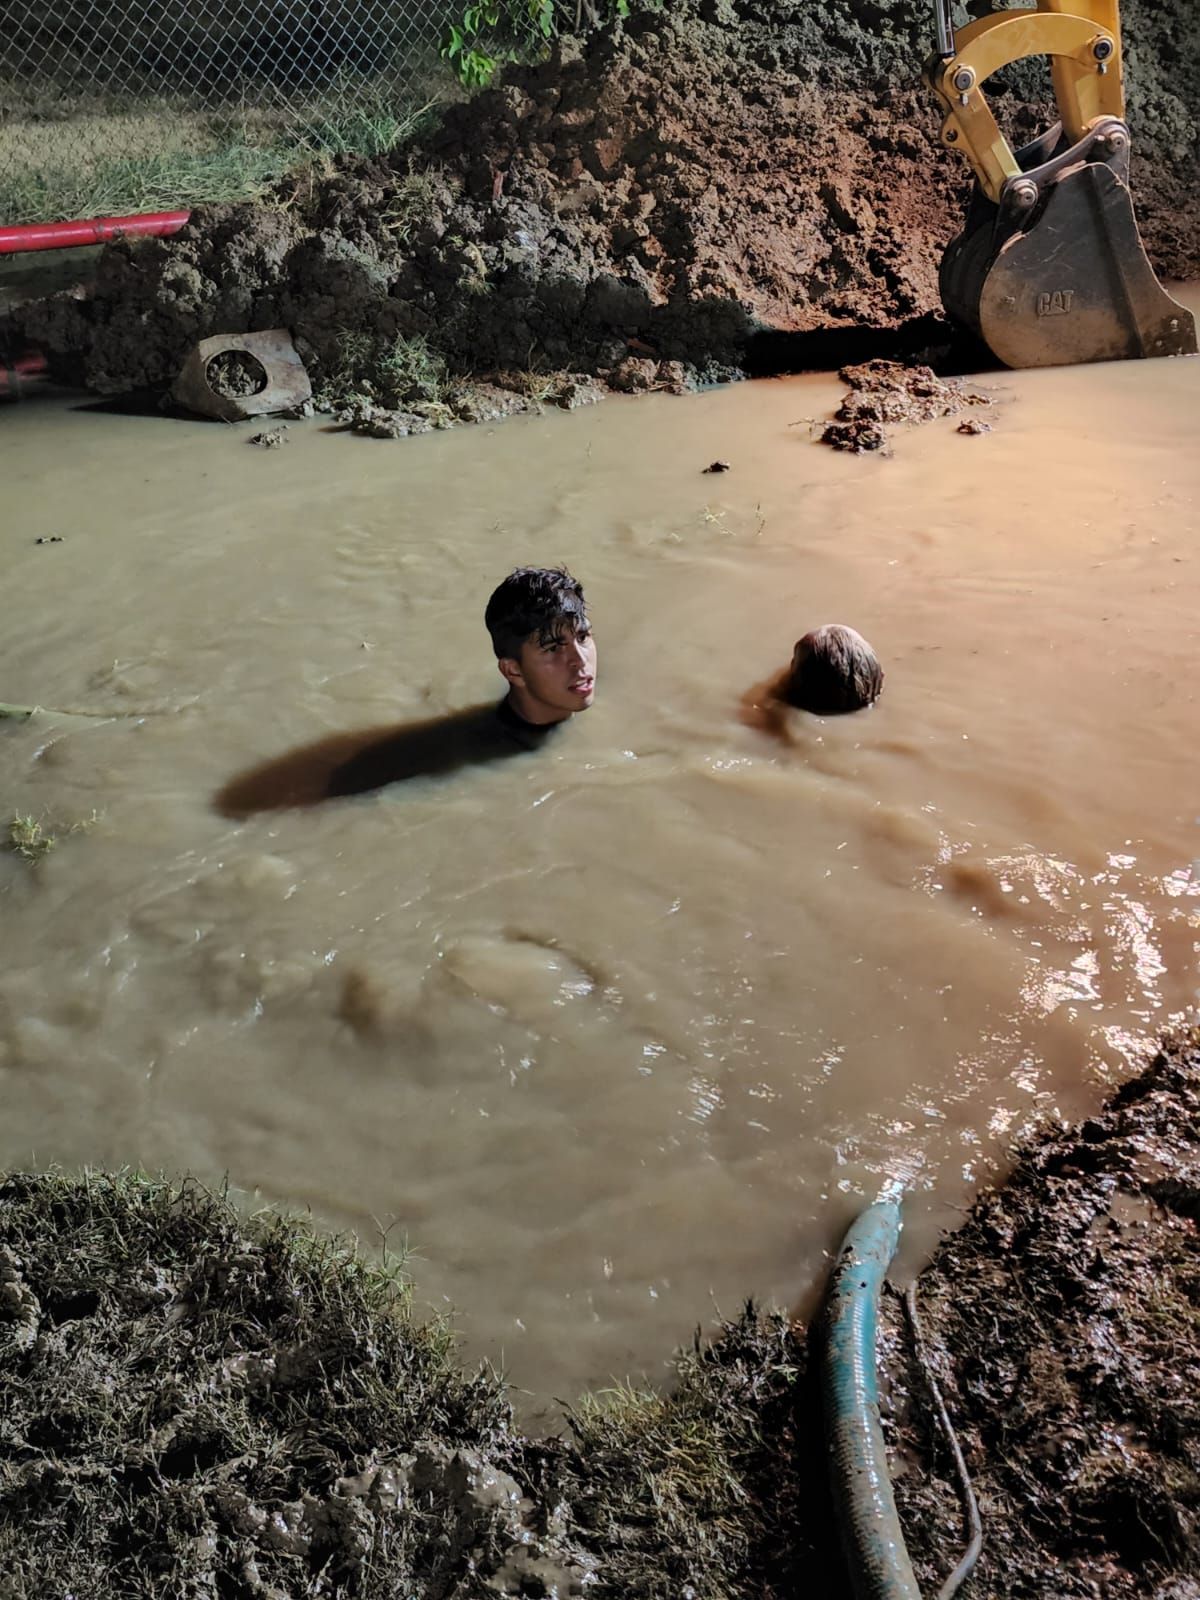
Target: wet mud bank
[
  {"x": 200, "y": 1404},
  {"x": 727, "y": 187},
  {"x": 1064, "y": 1321}
]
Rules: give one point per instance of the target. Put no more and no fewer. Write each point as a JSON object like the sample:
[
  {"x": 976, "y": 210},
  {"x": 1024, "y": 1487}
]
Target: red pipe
[
  {"x": 18, "y": 373},
  {"x": 97, "y": 230}
]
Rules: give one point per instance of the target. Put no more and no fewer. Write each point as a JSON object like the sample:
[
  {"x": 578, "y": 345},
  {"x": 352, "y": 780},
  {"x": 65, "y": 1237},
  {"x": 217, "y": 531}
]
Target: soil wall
[{"x": 635, "y": 207}]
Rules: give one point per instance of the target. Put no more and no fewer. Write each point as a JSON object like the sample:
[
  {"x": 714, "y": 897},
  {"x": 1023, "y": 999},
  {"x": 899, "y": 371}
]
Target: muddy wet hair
[
  {"x": 539, "y": 603},
  {"x": 833, "y": 670}
]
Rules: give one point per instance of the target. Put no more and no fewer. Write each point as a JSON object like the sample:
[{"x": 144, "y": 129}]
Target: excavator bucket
[
  {"x": 1057, "y": 273},
  {"x": 1050, "y": 269}
]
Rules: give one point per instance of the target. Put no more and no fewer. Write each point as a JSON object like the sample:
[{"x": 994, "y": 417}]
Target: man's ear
[{"x": 510, "y": 671}]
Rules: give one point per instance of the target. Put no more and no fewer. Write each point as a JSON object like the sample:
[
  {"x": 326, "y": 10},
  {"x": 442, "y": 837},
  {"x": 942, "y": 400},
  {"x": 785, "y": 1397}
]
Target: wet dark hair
[
  {"x": 534, "y": 602},
  {"x": 833, "y": 670}
]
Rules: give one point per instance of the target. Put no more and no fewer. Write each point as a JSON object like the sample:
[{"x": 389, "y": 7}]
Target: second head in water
[
  {"x": 543, "y": 641},
  {"x": 833, "y": 670}
]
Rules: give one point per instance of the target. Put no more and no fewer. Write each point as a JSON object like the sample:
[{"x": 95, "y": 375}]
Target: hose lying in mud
[
  {"x": 94, "y": 230},
  {"x": 862, "y": 1490},
  {"x": 870, "y": 1530}
]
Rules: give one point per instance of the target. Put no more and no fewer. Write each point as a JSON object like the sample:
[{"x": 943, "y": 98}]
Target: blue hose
[{"x": 862, "y": 1491}]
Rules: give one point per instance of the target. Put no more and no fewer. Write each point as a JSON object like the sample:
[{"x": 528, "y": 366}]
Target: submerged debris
[
  {"x": 270, "y": 438},
  {"x": 885, "y": 393}
]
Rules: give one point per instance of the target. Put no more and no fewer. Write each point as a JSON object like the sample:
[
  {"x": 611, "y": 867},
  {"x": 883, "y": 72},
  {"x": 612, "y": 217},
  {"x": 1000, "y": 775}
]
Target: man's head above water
[
  {"x": 543, "y": 642},
  {"x": 833, "y": 670}
]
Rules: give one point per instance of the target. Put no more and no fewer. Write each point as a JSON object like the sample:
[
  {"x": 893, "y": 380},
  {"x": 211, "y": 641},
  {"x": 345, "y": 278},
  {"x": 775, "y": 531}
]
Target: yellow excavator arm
[
  {"x": 1050, "y": 268},
  {"x": 1082, "y": 39}
]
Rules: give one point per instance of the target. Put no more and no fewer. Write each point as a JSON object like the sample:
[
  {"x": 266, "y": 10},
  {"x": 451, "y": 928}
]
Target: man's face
[{"x": 550, "y": 681}]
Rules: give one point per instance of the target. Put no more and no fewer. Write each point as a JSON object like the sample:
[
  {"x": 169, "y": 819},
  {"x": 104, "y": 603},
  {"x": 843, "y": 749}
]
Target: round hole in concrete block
[{"x": 235, "y": 373}]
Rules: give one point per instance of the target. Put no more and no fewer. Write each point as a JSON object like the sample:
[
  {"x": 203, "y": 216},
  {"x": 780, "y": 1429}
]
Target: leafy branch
[{"x": 492, "y": 32}]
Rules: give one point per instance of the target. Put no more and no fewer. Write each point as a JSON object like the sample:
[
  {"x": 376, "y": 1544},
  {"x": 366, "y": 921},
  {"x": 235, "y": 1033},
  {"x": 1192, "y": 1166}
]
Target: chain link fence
[{"x": 111, "y": 106}]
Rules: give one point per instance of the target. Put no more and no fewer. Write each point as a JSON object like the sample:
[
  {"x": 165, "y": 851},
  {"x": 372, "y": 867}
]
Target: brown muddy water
[{"x": 632, "y": 1025}]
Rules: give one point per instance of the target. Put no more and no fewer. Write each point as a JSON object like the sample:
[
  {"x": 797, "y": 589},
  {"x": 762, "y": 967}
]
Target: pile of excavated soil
[
  {"x": 196, "y": 1404},
  {"x": 636, "y": 208}
]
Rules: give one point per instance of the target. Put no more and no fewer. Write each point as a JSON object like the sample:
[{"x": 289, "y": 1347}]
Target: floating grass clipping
[
  {"x": 28, "y": 839},
  {"x": 23, "y": 713},
  {"x": 33, "y": 841}
]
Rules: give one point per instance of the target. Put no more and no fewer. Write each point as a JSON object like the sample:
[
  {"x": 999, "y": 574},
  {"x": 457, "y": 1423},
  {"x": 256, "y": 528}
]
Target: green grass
[
  {"x": 33, "y": 840},
  {"x": 394, "y": 373},
  {"x": 160, "y": 160},
  {"x": 413, "y": 200},
  {"x": 209, "y": 1402},
  {"x": 29, "y": 840},
  {"x": 207, "y": 1371}
]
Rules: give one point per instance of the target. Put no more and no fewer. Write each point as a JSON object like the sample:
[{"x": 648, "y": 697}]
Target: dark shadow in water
[
  {"x": 764, "y": 706},
  {"x": 371, "y": 758},
  {"x": 142, "y": 403},
  {"x": 949, "y": 349}
]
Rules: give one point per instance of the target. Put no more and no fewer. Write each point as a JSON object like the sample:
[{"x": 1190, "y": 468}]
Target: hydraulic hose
[
  {"x": 944, "y": 22},
  {"x": 869, "y": 1526}
]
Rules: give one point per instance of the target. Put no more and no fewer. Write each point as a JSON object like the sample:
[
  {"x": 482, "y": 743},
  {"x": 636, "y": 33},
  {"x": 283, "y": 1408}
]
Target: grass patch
[
  {"x": 394, "y": 373},
  {"x": 413, "y": 201},
  {"x": 162, "y": 159},
  {"x": 198, "y": 1402},
  {"x": 188, "y": 1387}
]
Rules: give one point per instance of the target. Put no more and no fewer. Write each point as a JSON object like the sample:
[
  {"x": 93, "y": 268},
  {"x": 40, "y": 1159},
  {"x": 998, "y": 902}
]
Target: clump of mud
[
  {"x": 633, "y": 210},
  {"x": 1067, "y": 1316},
  {"x": 885, "y": 394}
]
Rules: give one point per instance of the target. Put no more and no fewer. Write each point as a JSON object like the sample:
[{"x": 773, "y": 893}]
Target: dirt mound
[
  {"x": 883, "y": 394},
  {"x": 1067, "y": 1311},
  {"x": 656, "y": 197}
]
